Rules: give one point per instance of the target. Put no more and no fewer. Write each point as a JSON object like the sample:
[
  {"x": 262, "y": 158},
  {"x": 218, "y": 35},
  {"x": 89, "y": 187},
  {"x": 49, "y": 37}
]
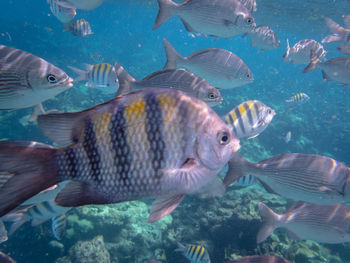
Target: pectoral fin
[{"x": 163, "y": 206}]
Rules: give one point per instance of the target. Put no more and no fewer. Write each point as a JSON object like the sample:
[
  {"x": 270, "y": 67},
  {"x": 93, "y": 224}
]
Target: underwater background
[{"x": 226, "y": 226}]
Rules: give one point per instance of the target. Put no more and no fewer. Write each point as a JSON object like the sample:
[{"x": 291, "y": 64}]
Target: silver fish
[
  {"x": 149, "y": 143},
  {"x": 263, "y": 38},
  {"x": 321, "y": 223},
  {"x": 336, "y": 69},
  {"x": 301, "y": 52},
  {"x": 179, "y": 79},
  {"x": 249, "y": 119},
  {"x": 220, "y": 67},
  {"x": 224, "y": 18},
  {"x": 27, "y": 80},
  {"x": 250, "y": 5},
  {"x": 298, "y": 98},
  {"x": 86, "y": 4},
  {"x": 259, "y": 259},
  {"x": 302, "y": 177},
  {"x": 339, "y": 34},
  {"x": 80, "y": 28},
  {"x": 194, "y": 253},
  {"x": 62, "y": 10}
]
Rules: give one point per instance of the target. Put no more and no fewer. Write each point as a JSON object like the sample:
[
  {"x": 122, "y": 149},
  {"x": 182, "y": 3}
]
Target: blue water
[{"x": 123, "y": 32}]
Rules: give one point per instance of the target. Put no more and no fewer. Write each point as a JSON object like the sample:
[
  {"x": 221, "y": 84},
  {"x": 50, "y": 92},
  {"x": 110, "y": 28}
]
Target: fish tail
[
  {"x": 171, "y": 55},
  {"x": 164, "y": 13},
  {"x": 286, "y": 55},
  {"x": 82, "y": 75},
  {"x": 313, "y": 62},
  {"x": 237, "y": 168},
  {"x": 336, "y": 30},
  {"x": 180, "y": 247},
  {"x": 30, "y": 167},
  {"x": 124, "y": 79},
  {"x": 17, "y": 220},
  {"x": 270, "y": 221}
]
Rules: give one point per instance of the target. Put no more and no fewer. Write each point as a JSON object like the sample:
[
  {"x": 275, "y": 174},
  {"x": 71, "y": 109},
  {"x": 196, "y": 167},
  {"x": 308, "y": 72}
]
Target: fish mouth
[{"x": 67, "y": 82}]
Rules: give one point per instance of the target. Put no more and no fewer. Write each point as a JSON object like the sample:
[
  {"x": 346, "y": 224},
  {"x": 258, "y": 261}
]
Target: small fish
[
  {"x": 336, "y": 69},
  {"x": 27, "y": 80},
  {"x": 259, "y": 259},
  {"x": 339, "y": 34},
  {"x": 80, "y": 28},
  {"x": 321, "y": 223},
  {"x": 245, "y": 181},
  {"x": 6, "y": 259},
  {"x": 3, "y": 232},
  {"x": 263, "y": 37},
  {"x": 288, "y": 137},
  {"x": 220, "y": 67},
  {"x": 250, "y": 5},
  {"x": 301, "y": 52},
  {"x": 224, "y": 18},
  {"x": 298, "y": 98},
  {"x": 150, "y": 143},
  {"x": 58, "y": 225},
  {"x": 86, "y": 4},
  {"x": 299, "y": 176},
  {"x": 194, "y": 253},
  {"x": 102, "y": 76},
  {"x": 179, "y": 79},
  {"x": 249, "y": 119},
  {"x": 62, "y": 10},
  {"x": 57, "y": 245}
]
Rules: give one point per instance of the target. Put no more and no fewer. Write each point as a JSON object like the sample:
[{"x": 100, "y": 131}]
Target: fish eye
[
  {"x": 223, "y": 137},
  {"x": 269, "y": 111},
  {"x": 211, "y": 96},
  {"x": 249, "y": 20},
  {"x": 248, "y": 76},
  {"x": 51, "y": 78}
]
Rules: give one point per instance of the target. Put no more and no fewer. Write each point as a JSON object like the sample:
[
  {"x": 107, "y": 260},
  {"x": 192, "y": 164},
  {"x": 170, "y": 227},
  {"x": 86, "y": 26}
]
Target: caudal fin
[
  {"x": 124, "y": 78},
  {"x": 237, "y": 168},
  {"x": 337, "y": 31},
  {"x": 313, "y": 62},
  {"x": 164, "y": 13},
  {"x": 82, "y": 75},
  {"x": 171, "y": 55},
  {"x": 30, "y": 167},
  {"x": 270, "y": 221},
  {"x": 286, "y": 55}
]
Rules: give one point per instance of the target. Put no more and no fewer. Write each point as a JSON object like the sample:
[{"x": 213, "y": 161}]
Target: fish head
[
  {"x": 244, "y": 22},
  {"x": 210, "y": 95},
  {"x": 215, "y": 143},
  {"x": 48, "y": 77},
  {"x": 265, "y": 116},
  {"x": 245, "y": 76}
]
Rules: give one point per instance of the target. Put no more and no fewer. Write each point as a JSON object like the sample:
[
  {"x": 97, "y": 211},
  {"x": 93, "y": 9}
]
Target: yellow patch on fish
[
  {"x": 136, "y": 110},
  {"x": 167, "y": 102},
  {"x": 242, "y": 110}
]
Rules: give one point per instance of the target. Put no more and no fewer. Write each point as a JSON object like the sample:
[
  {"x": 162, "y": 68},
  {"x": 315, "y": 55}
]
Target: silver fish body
[
  {"x": 321, "y": 223},
  {"x": 249, "y": 119},
  {"x": 339, "y": 34},
  {"x": 301, "y": 52},
  {"x": 259, "y": 259},
  {"x": 302, "y": 177},
  {"x": 223, "y": 18},
  {"x": 86, "y": 4},
  {"x": 194, "y": 253},
  {"x": 263, "y": 38},
  {"x": 179, "y": 79},
  {"x": 220, "y": 67},
  {"x": 250, "y": 5},
  {"x": 80, "y": 28},
  {"x": 27, "y": 80},
  {"x": 149, "y": 143},
  {"x": 62, "y": 11},
  {"x": 298, "y": 98}
]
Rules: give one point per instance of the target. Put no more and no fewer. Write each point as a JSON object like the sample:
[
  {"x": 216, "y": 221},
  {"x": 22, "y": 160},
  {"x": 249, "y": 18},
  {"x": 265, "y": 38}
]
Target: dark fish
[
  {"x": 220, "y": 67},
  {"x": 306, "y": 177},
  {"x": 6, "y": 259},
  {"x": 149, "y": 143},
  {"x": 301, "y": 52},
  {"x": 194, "y": 253},
  {"x": 321, "y": 223},
  {"x": 263, "y": 38},
  {"x": 179, "y": 79},
  {"x": 224, "y": 18},
  {"x": 80, "y": 28},
  {"x": 27, "y": 80},
  {"x": 259, "y": 259}
]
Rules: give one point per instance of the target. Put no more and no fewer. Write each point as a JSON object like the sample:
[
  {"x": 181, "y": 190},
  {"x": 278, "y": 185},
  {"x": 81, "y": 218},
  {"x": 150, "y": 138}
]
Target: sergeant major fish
[
  {"x": 249, "y": 119},
  {"x": 80, "y": 28},
  {"x": 299, "y": 176},
  {"x": 149, "y": 143},
  {"x": 179, "y": 79},
  {"x": 339, "y": 34},
  {"x": 298, "y": 98},
  {"x": 301, "y": 52},
  {"x": 58, "y": 225},
  {"x": 321, "y": 223},
  {"x": 220, "y": 67},
  {"x": 62, "y": 10},
  {"x": 27, "y": 80},
  {"x": 225, "y": 18},
  {"x": 102, "y": 76},
  {"x": 194, "y": 253},
  {"x": 263, "y": 38}
]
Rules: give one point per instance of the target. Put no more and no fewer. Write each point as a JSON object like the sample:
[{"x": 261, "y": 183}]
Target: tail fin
[
  {"x": 164, "y": 13},
  {"x": 270, "y": 221},
  {"x": 171, "y": 55},
  {"x": 286, "y": 55},
  {"x": 124, "y": 79},
  {"x": 180, "y": 247},
  {"x": 32, "y": 168},
  {"x": 17, "y": 219},
  {"x": 313, "y": 62},
  {"x": 237, "y": 168},
  {"x": 82, "y": 75},
  {"x": 336, "y": 30}
]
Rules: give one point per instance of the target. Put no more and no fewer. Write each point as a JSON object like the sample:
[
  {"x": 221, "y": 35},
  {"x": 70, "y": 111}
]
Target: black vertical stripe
[
  {"x": 70, "y": 169},
  {"x": 249, "y": 113},
  {"x": 240, "y": 121},
  {"x": 154, "y": 127},
  {"x": 231, "y": 119},
  {"x": 120, "y": 146},
  {"x": 103, "y": 81},
  {"x": 91, "y": 148},
  {"x": 37, "y": 210},
  {"x": 48, "y": 207}
]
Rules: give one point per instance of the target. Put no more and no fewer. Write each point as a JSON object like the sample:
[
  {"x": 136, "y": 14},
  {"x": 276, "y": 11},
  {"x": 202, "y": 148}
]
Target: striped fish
[
  {"x": 298, "y": 98},
  {"x": 194, "y": 253},
  {"x": 301, "y": 52},
  {"x": 247, "y": 180},
  {"x": 149, "y": 143},
  {"x": 62, "y": 10},
  {"x": 299, "y": 176},
  {"x": 80, "y": 28},
  {"x": 179, "y": 79},
  {"x": 249, "y": 119},
  {"x": 58, "y": 225},
  {"x": 263, "y": 37},
  {"x": 102, "y": 76}
]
